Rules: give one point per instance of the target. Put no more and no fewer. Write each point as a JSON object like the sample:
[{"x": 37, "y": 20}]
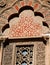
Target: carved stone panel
[
  {"x": 7, "y": 55},
  {"x": 40, "y": 54}
]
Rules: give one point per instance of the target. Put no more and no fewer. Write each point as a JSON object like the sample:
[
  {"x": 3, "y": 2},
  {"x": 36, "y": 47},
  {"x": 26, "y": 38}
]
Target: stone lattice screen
[{"x": 24, "y": 55}]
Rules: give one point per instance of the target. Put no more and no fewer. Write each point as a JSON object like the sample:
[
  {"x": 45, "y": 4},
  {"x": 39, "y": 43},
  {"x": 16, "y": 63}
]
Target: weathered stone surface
[
  {"x": 40, "y": 54},
  {"x": 6, "y": 11},
  {"x": 7, "y": 55}
]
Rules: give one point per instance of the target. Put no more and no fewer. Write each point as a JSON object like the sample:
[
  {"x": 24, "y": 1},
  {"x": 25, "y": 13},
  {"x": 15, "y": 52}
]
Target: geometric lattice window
[{"x": 24, "y": 55}]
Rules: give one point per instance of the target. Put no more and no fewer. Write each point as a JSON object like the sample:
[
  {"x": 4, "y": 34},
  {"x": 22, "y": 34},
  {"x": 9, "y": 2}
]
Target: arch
[
  {"x": 13, "y": 16},
  {"x": 25, "y": 8},
  {"x": 38, "y": 14},
  {"x": 5, "y": 27},
  {"x": 45, "y": 24}
]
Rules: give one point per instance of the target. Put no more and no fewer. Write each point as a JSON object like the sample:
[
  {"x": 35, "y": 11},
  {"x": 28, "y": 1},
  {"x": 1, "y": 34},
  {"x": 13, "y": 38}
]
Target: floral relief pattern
[{"x": 26, "y": 25}]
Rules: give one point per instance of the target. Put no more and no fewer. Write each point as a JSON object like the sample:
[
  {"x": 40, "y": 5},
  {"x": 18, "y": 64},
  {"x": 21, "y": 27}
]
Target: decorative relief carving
[
  {"x": 7, "y": 55},
  {"x": 40, "y": 54},
  {"x": 12, "y": 7},
  {"x": 45, "y": 3},
  {"x": 2, "y": 3},
  {"x": 23, "y": 24}
]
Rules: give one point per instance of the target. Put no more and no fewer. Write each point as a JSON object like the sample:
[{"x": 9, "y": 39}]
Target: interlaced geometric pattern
[{"x": 24, "y": 55}]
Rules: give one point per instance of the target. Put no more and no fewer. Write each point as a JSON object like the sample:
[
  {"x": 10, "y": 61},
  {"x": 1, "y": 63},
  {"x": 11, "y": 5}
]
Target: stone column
[
  {"x": 2, "y": 40},
  {"x": 1, "y": 52},
  {"x": 47, "y": 54},
  {"x": 49, "y": 50},
  {"x": 0, "y": 55}
]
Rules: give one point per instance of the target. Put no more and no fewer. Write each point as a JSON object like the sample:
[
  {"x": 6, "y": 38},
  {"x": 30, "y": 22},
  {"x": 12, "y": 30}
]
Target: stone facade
[
  {"x": 15, "y": 23},
  {"x": 24, "y": 52},
  {"x": 40, "y": 54},
  {"x": 7, "y": 55}
]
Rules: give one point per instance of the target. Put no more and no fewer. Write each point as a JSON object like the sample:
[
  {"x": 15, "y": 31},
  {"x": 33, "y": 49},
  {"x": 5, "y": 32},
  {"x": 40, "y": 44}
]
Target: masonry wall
[
  {"x": 9, "y": 7},
  {"x": 9, "y": 52}
]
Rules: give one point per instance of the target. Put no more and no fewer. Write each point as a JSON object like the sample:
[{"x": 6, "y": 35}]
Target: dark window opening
[
  {"x": 24, "y": 63},
  {"x": 24, "y": 52}
]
